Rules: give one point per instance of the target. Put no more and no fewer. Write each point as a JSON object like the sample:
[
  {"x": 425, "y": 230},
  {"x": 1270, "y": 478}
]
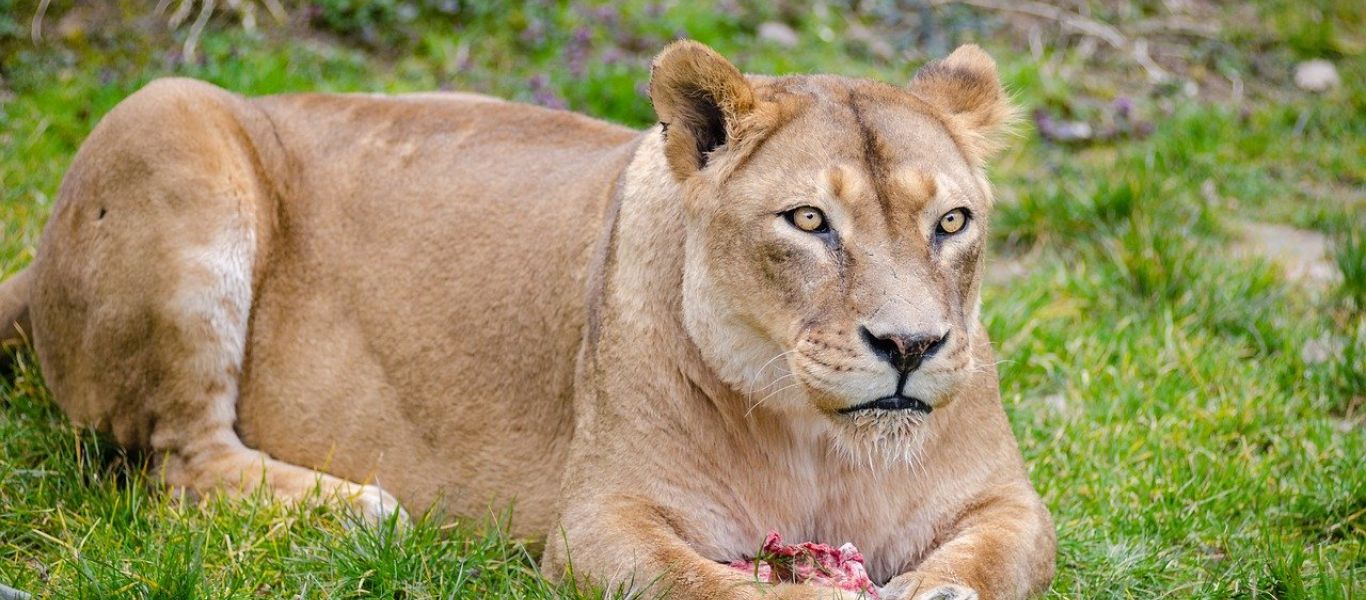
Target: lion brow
[{"x": 874, "y": 155}]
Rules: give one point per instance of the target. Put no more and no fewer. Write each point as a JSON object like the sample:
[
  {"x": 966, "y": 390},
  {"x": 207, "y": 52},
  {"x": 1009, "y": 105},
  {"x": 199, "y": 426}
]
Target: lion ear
[
  {"x": 699, "y": 98},
  {"x": 967, "y": 88}
]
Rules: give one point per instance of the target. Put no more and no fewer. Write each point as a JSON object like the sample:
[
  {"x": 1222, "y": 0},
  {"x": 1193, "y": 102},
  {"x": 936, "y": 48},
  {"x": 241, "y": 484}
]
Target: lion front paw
[
  {"x": 922, "y": 586},
  {"x": 948, "y": 592}
]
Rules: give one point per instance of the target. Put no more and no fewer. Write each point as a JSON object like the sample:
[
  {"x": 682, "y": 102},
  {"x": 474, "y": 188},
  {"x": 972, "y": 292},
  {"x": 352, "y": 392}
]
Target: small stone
[
  {"x": 871, "y": 41},
  {"x": 778, "y": 33},
  {"x": 1210, "y": 193},
  {"x": 1057, "y": 402},
  {"x": 1316, "y": 76},
  {"x": 1071, "y": 131},
  {"x": 1320, "y": 350}
]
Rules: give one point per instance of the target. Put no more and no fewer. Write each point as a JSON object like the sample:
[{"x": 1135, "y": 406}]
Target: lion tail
[{"x": 14, "y": 301}]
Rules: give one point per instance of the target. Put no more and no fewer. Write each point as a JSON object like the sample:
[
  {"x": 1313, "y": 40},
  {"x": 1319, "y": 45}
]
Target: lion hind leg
[
  {"x": 199, "y": 447},
  {"x": 145, "y": 285}
]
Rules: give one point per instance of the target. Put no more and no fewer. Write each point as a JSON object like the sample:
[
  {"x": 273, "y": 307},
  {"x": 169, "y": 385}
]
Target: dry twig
[
  {"x": 1138, "y": 49},
  {"x": 245, "y": 9},
  {"x": 9, "y": 593},
  {"x": 1176, "y": 25},
  {"x": 192, "y": 40},
  {"x": 35, "y": 31}
]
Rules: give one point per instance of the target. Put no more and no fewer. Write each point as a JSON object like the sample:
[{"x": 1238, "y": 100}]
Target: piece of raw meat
[{"x": 809, "y": 562}]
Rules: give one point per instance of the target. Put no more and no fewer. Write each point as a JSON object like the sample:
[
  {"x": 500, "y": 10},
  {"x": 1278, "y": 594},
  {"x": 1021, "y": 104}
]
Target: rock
[
  {"x": 1322, "y": 349},
  {"x": 1057, "y": 402},
  {"x": 870, "y": 41},
  {"x": 778, "y": 33},
  {"x": 1055, "y": 130},
  {"x": 1316, "y": 76}
]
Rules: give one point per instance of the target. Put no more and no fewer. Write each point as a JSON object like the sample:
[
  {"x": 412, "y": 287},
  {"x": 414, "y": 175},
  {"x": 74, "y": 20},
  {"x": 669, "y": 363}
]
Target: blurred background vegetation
[{"x": 1176, "y": 292}]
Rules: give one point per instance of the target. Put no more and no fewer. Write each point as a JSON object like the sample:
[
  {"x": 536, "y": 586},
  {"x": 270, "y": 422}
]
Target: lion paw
[
  {"x": 921, "y": 586},
  {"x": 948, "y": 592}
]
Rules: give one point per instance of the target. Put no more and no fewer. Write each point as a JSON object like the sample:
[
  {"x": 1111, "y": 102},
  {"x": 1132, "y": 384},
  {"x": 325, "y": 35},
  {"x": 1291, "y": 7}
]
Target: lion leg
[
  {"x": 1004, "y": 548},
  {"x": 143, "y": 290}
]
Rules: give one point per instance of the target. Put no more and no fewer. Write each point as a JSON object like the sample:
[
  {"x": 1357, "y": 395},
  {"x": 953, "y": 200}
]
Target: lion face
[{"x": 835, "y": 232}]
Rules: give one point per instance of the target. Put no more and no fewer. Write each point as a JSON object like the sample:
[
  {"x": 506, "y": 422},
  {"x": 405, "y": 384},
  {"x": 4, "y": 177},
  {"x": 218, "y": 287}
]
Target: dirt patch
[{"x": 1304, "y": 256}]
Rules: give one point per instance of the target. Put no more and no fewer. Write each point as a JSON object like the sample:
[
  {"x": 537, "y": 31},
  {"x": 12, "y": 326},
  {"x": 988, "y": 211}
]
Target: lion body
[
  {"x": 403, "y": 247},
  {"x": 456, "y": 302}
]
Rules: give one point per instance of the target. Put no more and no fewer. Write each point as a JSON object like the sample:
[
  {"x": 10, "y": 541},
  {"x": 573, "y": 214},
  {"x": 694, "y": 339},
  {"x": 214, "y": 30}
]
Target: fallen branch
[
  {"x": 245, "y": 9},
  {"x": 197, "y": 28},
  {"x": 1175, "y": 26},
  {"x": 35, "y": 31},
  {"x": 1138, "y": 49},
  {"x": 9, "y": 593}
]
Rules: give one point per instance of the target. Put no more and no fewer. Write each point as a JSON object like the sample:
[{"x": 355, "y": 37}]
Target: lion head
[{"x": 835, "y": 231}]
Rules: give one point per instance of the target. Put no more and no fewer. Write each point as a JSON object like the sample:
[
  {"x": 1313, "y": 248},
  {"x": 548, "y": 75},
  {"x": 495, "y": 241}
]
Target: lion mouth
[{"x": 890, "y": 403}]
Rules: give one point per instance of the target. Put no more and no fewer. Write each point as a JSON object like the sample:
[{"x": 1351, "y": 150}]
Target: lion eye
[
  {"x": 808, "y": 218},
  {"x": 953, "y": 221}
]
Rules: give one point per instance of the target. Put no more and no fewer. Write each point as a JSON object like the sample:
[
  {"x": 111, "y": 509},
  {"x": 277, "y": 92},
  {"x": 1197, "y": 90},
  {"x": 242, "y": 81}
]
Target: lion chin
[{"x": 882, "y": 438}]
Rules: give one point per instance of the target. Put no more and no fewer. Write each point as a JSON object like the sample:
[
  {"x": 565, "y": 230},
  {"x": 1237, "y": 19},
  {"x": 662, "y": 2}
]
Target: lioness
[{"x": 761, "y": 314}]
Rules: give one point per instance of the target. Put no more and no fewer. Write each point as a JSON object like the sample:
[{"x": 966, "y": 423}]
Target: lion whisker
[
  {"x": 759, "y": 373},
  {"x": 770, "y": 395},
  {"x": 772, "y": 383}
]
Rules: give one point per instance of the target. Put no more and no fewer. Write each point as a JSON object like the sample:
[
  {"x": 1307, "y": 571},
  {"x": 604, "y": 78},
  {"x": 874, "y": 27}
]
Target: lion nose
[{"x": 905, "y": 351}]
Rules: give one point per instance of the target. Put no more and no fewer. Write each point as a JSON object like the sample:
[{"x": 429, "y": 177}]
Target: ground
[{"x": 1177, "y": 290}]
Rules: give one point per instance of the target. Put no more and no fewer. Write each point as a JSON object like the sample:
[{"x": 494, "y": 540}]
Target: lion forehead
[
  {"x": 911, "y": 186},
  {"x": 851, "y": 137}
]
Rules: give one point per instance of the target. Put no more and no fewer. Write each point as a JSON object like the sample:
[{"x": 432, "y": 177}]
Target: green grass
[{"x": 1159, "y": 383}]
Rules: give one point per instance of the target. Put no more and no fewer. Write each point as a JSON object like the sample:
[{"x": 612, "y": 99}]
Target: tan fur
[
  {"x": 14, "y": 295},
  {"x": 473, "y": 303}
]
